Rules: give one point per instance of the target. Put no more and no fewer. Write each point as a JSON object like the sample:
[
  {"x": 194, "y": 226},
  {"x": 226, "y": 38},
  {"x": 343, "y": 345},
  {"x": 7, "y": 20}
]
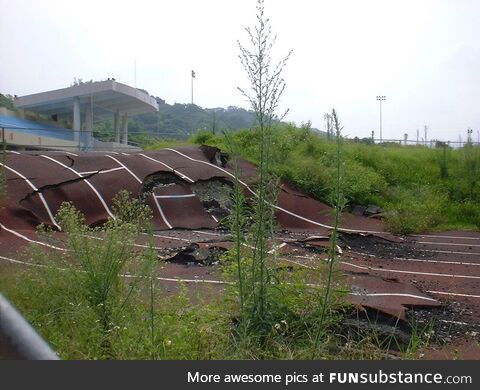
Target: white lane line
[
  {"x": 308, "y": 257},
  {"x": 168, "y": 167},
  {"x": 175, "y": 196},
  {"x": 410, "y": 272},
  {"x": 102, "y": 172},
  {"x": 453, "y": 237},
  {"x": 393, "y": 295},
  {"x": 169, "y": 237},
  {"x": 210, "y": 281},
  {"x": 418, "y": 260},
  {"x": 12, "y": 151},
  {"x": 13, "y": 261},
  {"x": 272, "y": 205},
  {"x": 178, "y": 280},
  {"x": 283, "y": 244},
  {"x": 315, "y": 238},
  {"x": 63, "y": 152},
  {"x": 162, "y": 214},
  {"x": 452, "y": 252},
  {"x": 134, "y": 244},
  {"x": 129, "y": 276},
  {"x": 214, "y": 218},
  {"x": 19, "y": 235},
  {"x": 298, "y": 263},
  {"x": 125, "y": 154},
  {"x": 457, "y": 322},
  {"x": 453, "y": 294},
  {"x": 104, "y": 204},
  {"x": 103, "y": 151},
  {"x": 211, "y": 233},
  {"x": 125, "y": 167},
  {"x": 445, "y": 243},
  {"x": 40, "y": 195},
  {"x": 437, "y": 261}
]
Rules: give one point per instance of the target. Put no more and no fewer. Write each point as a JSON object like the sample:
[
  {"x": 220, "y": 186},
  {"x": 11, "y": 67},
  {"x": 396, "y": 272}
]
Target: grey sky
[{"x": 424, "y": 55}]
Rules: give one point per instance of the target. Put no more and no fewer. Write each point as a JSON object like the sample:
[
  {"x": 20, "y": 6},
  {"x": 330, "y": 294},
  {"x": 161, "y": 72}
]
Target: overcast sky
[{"x": 424, "y": 55}]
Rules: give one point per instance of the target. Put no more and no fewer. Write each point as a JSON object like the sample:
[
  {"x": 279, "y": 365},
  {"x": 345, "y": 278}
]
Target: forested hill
[{"x": 181, "y": 120}]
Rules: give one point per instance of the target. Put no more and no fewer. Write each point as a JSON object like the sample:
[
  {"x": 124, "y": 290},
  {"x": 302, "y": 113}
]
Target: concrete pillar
[
  {"x": 88, "y": 131},
  {"x": 125, "y": 129},
  {"x": 77, "y": 123},
  {"x": 116, "y": 126}
]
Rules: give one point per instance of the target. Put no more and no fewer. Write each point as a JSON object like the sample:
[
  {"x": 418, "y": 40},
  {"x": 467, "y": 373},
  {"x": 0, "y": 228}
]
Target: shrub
[{"x": 415, "y": 210}]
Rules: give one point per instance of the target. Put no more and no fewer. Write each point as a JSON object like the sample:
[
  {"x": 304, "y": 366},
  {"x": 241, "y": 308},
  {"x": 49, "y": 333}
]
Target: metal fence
[{"x": 18, "y": 339}]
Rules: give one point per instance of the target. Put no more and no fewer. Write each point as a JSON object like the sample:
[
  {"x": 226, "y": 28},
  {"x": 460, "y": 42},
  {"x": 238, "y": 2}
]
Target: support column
[
  {"x": 116, "y": 126},
  {"x": 76, "y": 120},
  {"x": 125, "y": 129},
  {"x": 88, "y": 133}
]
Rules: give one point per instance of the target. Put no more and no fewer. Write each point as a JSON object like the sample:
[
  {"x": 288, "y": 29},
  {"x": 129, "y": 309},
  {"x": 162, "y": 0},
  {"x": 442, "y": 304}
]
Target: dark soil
[
  {"x": 195, "y": 255},
  {"x": 215, "y": 195},
  {"x": 445, "y": 323},
  {"x": 379, "y": 247},
  {"x": 156, "y": 180}
]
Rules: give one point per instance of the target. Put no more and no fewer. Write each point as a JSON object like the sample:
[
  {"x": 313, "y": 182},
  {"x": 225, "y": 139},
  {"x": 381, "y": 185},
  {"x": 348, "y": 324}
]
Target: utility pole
[
  {"x": 373, "y": 136},
  {"x": 381, "y": 99},
  {"x": 405, "y": 138},
  {"x": 418, "y": 135},
  {"x": 425, "y": 130},
  {"x": 193, "y": 76}
]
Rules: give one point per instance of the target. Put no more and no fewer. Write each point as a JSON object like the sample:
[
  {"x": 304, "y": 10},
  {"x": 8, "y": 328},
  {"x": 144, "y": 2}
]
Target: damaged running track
[{"x": 187, "y": 189}]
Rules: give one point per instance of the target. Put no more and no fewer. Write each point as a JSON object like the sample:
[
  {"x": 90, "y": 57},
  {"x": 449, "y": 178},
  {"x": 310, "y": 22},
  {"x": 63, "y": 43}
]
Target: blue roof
[{"x": 34, "y": 128}]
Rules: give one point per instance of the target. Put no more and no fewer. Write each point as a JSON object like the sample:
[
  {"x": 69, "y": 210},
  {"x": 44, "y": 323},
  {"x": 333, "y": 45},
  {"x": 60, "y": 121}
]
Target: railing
[
  {"x": 18, "y": 339},
  {"x": 30, "y": 138}
]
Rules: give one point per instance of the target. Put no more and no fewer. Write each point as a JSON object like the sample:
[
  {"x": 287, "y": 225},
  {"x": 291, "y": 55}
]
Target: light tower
[
  {"x": 380, "y": 100},
  {"x": 193, "y": 77},
  {"x": 469, "y": 135}
]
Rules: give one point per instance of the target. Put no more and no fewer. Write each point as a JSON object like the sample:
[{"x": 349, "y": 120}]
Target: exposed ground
[{"x": 431, "y": 281}]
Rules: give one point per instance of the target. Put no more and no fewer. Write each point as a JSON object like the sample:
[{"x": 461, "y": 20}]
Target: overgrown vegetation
[
  {"x": 419, "y": 188},
  {"x": 339, "y": 203},
  {"x": 101, "y": 299}
]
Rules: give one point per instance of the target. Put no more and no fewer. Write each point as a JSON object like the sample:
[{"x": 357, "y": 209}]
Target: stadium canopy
[{"x": 85, "y": 103}]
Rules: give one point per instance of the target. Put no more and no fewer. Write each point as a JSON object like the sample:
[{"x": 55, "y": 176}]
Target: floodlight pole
[
  {"x": 380, "y": 99},
  {"x": 193, "y": 76},
  {"x": 469, "y": 135}
]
